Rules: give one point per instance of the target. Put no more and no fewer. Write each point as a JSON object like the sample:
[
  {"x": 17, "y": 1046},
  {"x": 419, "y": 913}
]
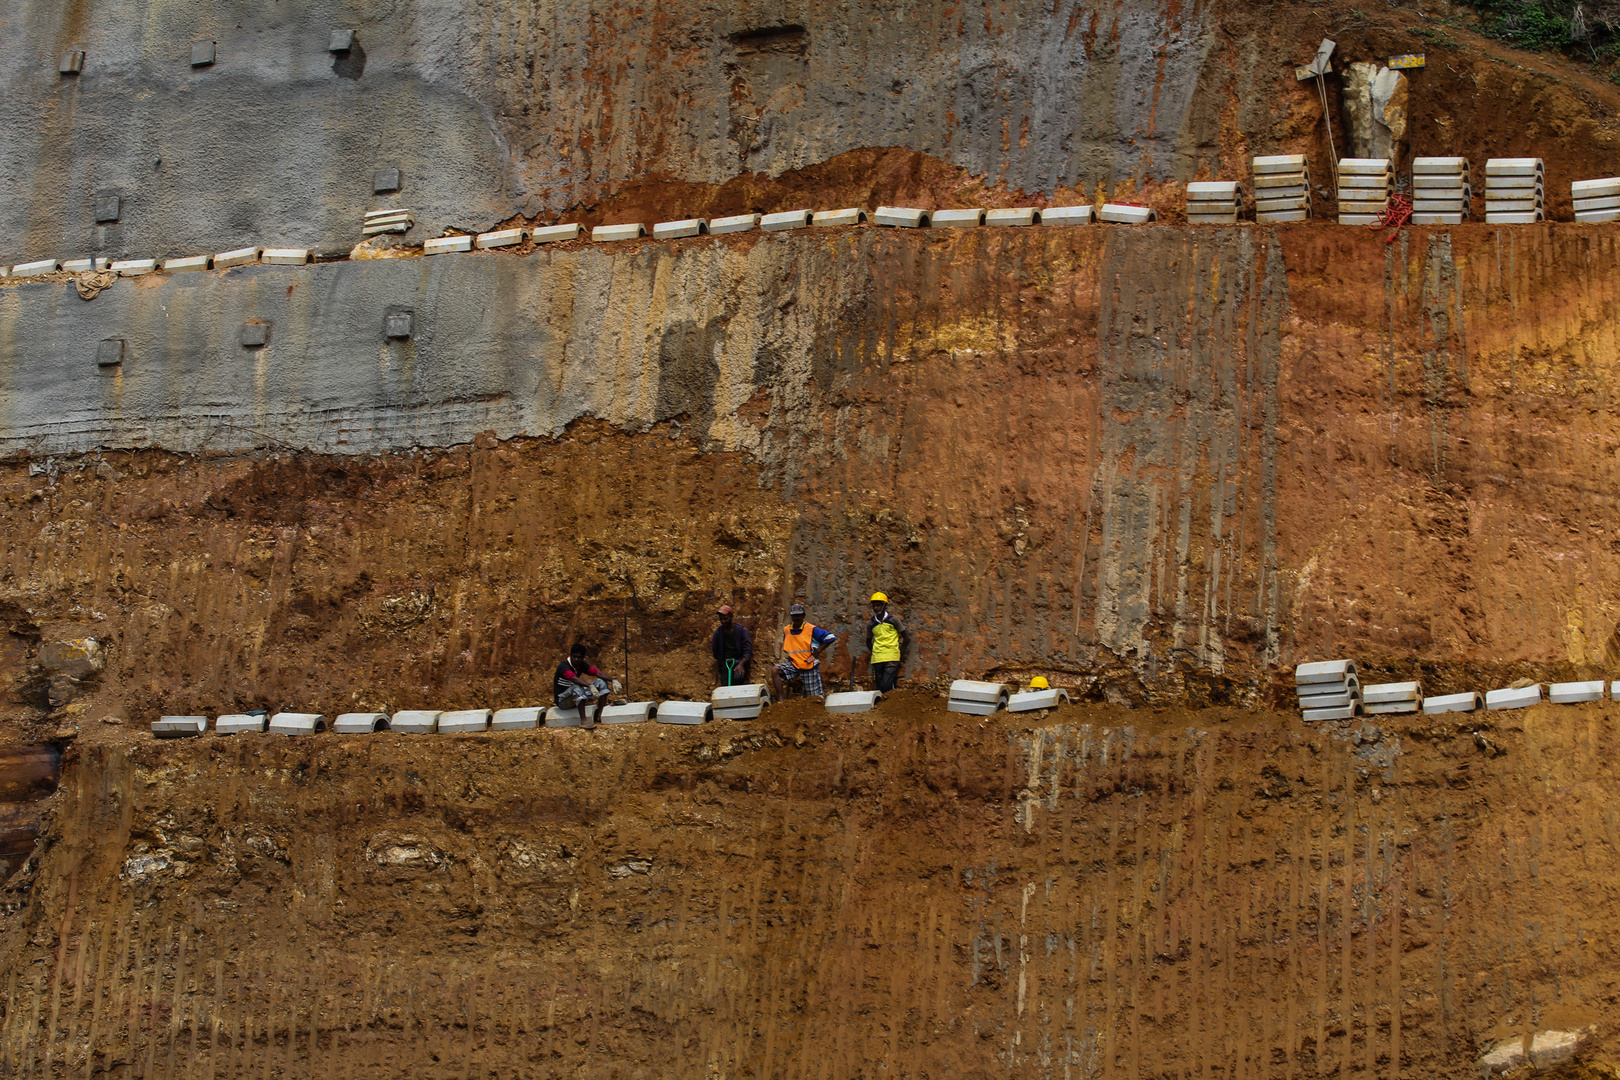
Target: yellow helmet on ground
[
  {"x": 1039, "y": 683},
  {"x": 879, "y": 596}
]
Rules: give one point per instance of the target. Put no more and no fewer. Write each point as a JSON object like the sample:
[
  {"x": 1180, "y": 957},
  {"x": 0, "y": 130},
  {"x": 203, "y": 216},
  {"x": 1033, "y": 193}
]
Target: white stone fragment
[
  {"x": 604, "y": 234},
  {"x": 1439, "y": 166},
  {"x": 1030, "y": 700},
  {"x": 902, "y": 217},
  {"x": 187, "y": 265},
  {"x": 827, "y": 219},
  {"x": 285, "y": 256},
  {"x": 501, "y": 238},
  {"x": 34, "y": 269},
  {"x": 134, "y": 267},
  {"x": 1513, "y": 218},
  {"x": 445, "y": 245},
  {"x": 1066, "y": 215},
  {"x": 461, "y": 721},
  {"x": 1503, "y": 1057},
  {"x": 179, "y": 727},
  {"x": 515, "y": 719},
  {"x": 297, "y": 723},
  {"x": 550, "y": 234},
  {"x": 1444, "y": 703},
  {"x": 1320, "y": 671},
  {"x": 1123, "y": 214},
  {"x": 734, "y": 224},
  {"x": 1279, "y": 163},
  {"x": 233, "y": 723},
  {"x": 1514, "y": 167},
  {"x": 360, "y": 723},
  {"x": 636, "y": 712},
  {"x": 415, "y": 721},
  {"x": 1511, "y": 698},
  {"x": 1342, "y": 712},
  {"x": 1376, "y": 693},
  {"x": 740, "y": 702},
  {"x": 675, "y": 230},
  {"x": 1017, "y": 215},
  {"x": 1573, "y": 693},
  {"x": 785, "y": 220},
  {"x": 240, "y": 257},
  {"x": 685, "y": 712},
  {"x": 853, "y": 701},
  {"x": 1550, "y": 1049},
  {"x": 957, "y": 219}
]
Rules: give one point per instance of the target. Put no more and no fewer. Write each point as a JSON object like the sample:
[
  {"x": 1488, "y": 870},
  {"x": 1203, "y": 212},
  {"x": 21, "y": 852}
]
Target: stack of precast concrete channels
[
  {"x": 1282, "y": 188},
  {"x": 1514, "y": 191},
  {"x": 1596, "y": 200},
  {"x": 1391, "y": 697},
  {"x": 1328, "y": 689},
  {"x": 1442, "y": 191},
  {"x": 1213, "y": 202},
  {"x": 1365, "y": 185}
]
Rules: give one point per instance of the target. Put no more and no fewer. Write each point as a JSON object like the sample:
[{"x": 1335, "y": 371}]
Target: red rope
[{"x": 1396, "y": 214}]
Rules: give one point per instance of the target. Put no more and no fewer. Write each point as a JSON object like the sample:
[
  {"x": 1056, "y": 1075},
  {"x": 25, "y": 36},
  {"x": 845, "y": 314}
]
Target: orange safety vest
[{"x": 797, "y": 646}]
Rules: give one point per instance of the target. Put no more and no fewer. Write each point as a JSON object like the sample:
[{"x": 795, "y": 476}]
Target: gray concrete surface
[{"x": 492, "y": 109}]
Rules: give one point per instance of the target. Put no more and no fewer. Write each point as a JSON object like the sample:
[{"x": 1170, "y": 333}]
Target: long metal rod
[{"x": 1327, "y": 122}]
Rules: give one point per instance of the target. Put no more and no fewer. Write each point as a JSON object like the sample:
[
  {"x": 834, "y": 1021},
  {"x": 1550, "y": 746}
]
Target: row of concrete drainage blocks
[
  {"x": 1332, "y": 690},
  {"x": 744, "y": 702},
  {"x": 382, "y": 221}
]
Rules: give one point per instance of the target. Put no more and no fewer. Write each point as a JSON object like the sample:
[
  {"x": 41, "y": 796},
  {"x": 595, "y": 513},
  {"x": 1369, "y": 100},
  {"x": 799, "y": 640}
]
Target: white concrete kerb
[
  {"x": 415, "y": 721},
  {"x": 462, "y": 721},
  {"x": 515, "y": 719},
  {"x": 296, "y": 723},
  {"x": 360, "y": 723},
  {"x": 235, "y": 723}
]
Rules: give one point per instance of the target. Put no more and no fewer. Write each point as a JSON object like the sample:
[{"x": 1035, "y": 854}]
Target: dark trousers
[
  {"x": 739, "y": 673},
  {"x": 886, "y": 674}
]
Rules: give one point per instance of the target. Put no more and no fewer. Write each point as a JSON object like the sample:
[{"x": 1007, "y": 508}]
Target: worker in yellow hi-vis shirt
[{"x": 886, "y": 643}]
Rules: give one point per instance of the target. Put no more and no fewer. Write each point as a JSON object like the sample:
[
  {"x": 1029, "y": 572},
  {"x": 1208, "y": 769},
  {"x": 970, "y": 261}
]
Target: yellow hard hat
[
  {"x": 880, "y": 596},
  {"x": 1039, "y": 683}
]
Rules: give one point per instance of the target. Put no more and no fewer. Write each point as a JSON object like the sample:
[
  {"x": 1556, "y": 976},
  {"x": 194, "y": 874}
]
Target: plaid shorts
[
  {"x": 577, "y": 694},
  {"x": 811, "y": 679}
]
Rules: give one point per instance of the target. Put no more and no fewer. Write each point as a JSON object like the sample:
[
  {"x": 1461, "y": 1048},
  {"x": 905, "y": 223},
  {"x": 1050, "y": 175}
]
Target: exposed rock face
[{"x": 1375, "y": 104}]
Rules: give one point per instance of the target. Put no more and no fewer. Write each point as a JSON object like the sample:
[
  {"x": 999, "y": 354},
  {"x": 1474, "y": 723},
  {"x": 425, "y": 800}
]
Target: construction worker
[
  {"x": 886, "y": 643},
  {"x": 802, "y": 644},
  {"x": 733, "y": 649},
  {"x": 578, "y": 682}
]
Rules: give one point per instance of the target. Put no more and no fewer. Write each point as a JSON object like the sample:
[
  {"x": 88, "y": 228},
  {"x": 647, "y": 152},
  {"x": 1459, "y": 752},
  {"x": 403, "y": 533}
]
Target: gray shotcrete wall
[{"x": 493, "y": 109}]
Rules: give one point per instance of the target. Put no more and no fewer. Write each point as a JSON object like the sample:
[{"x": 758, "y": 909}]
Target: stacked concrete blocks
[
  {"x": 1596, "y": 200},
  {"x": 1030, "y": 700},
  {"x": 1213, "y": 202},
  {"x": 976, "y": 698},
  {"x": 1442, "y": 190},
  {"x": 1514, "y": 191},
  {"x": 740, "y": 702},
  {"x": 1328, "y": 689},
  {"x": 1126, "y": 214},
  {"x": 377, "y": 222},
  {"x": 1365, "y": 185},
  {"x": 359, "y": 723},
  {"x": 1448, "y": 703},
  {"x": 853, "y": 701},
  {"x": 1282, "y": 188},
  {"x": 1514, "y": 697},
  {"x": 1575, "y": 693},
  {"x": 1397, "y": 697},
  {"x": 685, "y": 712}
]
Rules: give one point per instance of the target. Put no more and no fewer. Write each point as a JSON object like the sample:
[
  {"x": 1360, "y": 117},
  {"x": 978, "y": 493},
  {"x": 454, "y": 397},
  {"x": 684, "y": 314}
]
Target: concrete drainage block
[
  {"x": 445, "y": 245},
  {"x": 415, "y": 721},
  {"x": 1444, "y": 703},
  {"x": 1513, "y": 697},
  {"x": 461, "y": 721},
  {"x": 976, "y": 698},
  {"x": 1380, "y": 699},
  {"x": 1279, "y": 163},
  {"x": 605, "y": 234},
  {"x": 636, "y": 712},
  {"x": 900, "y": 217},
  {"x": 1341, "y": 696},
  {"x": 501, "y": 238},
  {"x": 685, "y": 712},
  {"x": 1573, "y": 693},
  {"x": 285, "y": 256},
  {"x": 568, "y": 717},
  {"x": 360, "y": 723},
  {"x": 1018, "y": 215},
  {"x": 378, "y": 222},
  {"x": 297, "y": 723},
  {"x": 190, "y": 264},
  {"x": 515, "y": 719},
  {"x": 240, "y": 257},
  {"x": 82, "y": 266},
  {"x": 179, "y": 727},
  {"x": 35, "y": 269},
  {"x": 1438, "y": 219},
  {"x": 733, "y": 224},
  {"x": 1030, "y": 700},
  {"x": 740, "y": 702},
  {"x": 1066, "y": 215},
  {"x": 828, "y": 219},
  {"x": 1344, "y": 712},
  {"x": 957, "y": 219},
  {"x": 1122, "y": 214},
  {"x": 551, "y": 234},
  {"x": 787, "y": 219},
  {"x": 1324, "y": 671},
  {"x": 234, "y": 723},
  {"x": 853, "y": 701},
  {"x": 677, "y": 230}
]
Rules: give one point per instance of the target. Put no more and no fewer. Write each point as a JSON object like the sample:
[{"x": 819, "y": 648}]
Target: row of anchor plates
[{"x": 1331, "y": 690}]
